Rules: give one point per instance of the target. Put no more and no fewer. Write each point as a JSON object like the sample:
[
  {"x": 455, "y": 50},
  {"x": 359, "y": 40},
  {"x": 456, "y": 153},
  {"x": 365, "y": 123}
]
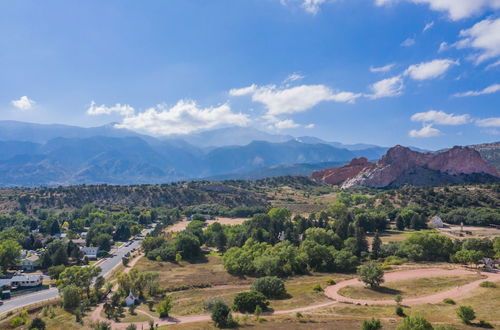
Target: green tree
[
  {"x": 371, "y": 274},
  {"x": 466, "y": 314},
  {"x": 71, "y": 297},
  {"x": 373, "y": 324},
  {"x": 246, "y": 302},
  {"x": 164, "y": 307},
  {"x": 468, "y": 256},
  {"x": 221, "y": 314},
  {"x": 81, "y": 277},
  {"x": 10, "y": 252},
  {"x": 415, "y": 323},
  {"x": 376, "y": 246},
  {"x": 270, "y": 286},
  {"x": 37, "y": 323}
]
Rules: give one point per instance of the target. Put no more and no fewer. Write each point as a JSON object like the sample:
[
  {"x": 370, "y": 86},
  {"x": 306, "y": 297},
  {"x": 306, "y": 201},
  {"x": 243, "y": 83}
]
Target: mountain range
[{"x": 50, "y": 155}]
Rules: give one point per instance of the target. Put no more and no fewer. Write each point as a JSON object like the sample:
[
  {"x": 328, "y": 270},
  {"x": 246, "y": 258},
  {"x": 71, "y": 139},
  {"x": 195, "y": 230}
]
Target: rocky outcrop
[
  {"x": 403, "y": 166},
  {"x": 340, "y": 174}
]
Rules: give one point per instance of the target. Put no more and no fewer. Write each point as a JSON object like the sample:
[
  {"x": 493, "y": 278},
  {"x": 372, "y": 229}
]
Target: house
[
  {"x": 436, "y": 222},
  {"x": 60, "y": 235},
  {"x": 79, "y": 241},
  {"x": 90, "y": 251},
  {"x": 22, "y": 281},
  {"x": 131, "y": 299},
  {"x": 28, "y": 264}
]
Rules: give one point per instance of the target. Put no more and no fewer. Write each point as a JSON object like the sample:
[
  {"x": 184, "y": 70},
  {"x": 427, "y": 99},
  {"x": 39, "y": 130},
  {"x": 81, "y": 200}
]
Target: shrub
[
  {"x": 373, "y": 324},
  {"x": 400, "y": 311},
  {"x": 37, "y": 323},
  {"x": 487, "y": 284},
  {"x": 165, "y": 306},
  {"x": 317, "y": 288},
  {"x": 221, "y": 315},
  {"x": 371, "y": 274},
  {"x": 444, "y": 327},
  {"x": 246, "y": 302},
  {"x": 415, "y": 323},
  {"x": 270, "y": 286},
  {"x": 16, "y": 322},
  {"x": 484, "y": 324},
  {"x": 466, "y": 314},
  {"x": 449, "y": 301},
  {"x": 131, "y": 327},
  {"x": 331, "y": 282}
]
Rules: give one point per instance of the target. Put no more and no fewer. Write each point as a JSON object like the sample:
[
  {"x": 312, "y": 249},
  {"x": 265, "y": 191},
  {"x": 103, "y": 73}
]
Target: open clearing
[
  {"x": 454, "y": 231},
  {"x": 181, "y": 225},
  {"x": 408, "y": 288}
]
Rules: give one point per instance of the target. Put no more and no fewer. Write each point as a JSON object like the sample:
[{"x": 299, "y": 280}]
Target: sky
[{"x": 424, "y": 73}]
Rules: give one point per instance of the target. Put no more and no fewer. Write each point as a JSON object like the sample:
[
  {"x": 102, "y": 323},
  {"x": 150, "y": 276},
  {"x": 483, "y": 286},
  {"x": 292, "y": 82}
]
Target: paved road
[{"x": 107, "y": 265}]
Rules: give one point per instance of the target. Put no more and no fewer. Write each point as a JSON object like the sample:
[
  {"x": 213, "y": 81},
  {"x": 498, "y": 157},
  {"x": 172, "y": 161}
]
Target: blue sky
[{"x": 414, "y": 72}]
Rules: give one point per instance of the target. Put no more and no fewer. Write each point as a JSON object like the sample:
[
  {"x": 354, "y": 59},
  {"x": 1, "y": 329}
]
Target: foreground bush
[
  {"x": 221, "y": 315},
  {"x": 371, "y": 274},
  {"x": 270, "y": 286},
  {"x": 373, "y": 324},
  {"x": 466, "y": 314},
  {"x": 247, "y": 302},
  {"x": 415, "y": 323},
  {"x": 487, "y": 284}
]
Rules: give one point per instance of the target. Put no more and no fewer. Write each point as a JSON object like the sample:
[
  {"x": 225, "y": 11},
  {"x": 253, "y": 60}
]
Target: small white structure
[
  {"x": 22, "y": 281},
  {"x": 90, "y": 252},
  {"x": 28, "y": 264},
  {"x": 436, "y": 222},
  {"x": 131, "y": 299}
]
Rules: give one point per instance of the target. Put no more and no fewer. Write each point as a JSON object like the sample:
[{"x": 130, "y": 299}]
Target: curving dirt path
[
  {"x": 332, "y": 293},
  {"x": 457, "y": 292}
]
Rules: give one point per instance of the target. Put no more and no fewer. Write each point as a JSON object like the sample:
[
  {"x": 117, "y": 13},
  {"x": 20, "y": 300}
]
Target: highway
[{"x": 106, "y": 264}]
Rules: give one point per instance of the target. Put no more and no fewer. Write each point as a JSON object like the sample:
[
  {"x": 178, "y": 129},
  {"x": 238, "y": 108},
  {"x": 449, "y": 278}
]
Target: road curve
[{"x": 457, "y": 292}]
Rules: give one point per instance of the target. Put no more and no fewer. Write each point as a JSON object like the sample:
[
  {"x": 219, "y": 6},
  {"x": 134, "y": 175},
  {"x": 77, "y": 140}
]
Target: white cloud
[
  {"x": 428, "y": 26},
  {"x": 183, "y": 118},
  {"x": 285, "y": 124},
  {"x": 389, "y": 87},
  {"x": 443, "y": 46},
  {"x": 408, "y": 42},
  {"x": 295, "y": 99},
  {"x": 243, "y": 91},
  {"x": 385, "y": 68},
  {"x": 122, "y": 109},
  {"x": 484, "y": 37},
  {"x": 293, "y": 77},
  {"x": 493, "y": 65},
  {"x": 424, "y": 132},
  {"x": 24, "y": 103},
  {"x": 312, "y": 6},
  {"x": 488, "y": 122},
  {"x": 495, "y": 88},
  {"x": 440, "y": 118},
  {"x": 429, "y": 70},
  {"x": 309, "y": 126},
  {"x": 456, "y": 9}
]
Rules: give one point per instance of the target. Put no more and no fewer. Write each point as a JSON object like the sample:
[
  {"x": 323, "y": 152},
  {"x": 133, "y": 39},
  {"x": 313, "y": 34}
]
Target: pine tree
[{"x": 376, "y": 244}]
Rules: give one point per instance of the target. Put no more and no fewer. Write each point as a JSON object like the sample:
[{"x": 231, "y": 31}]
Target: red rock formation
[
  {"x": 340, "y": 174},
  {"x": 399, "y": 160}
]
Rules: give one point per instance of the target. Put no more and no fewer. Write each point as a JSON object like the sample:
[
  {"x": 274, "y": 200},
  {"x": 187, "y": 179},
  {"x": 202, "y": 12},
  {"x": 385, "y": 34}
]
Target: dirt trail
[
  {"x": 332, "y": 293},
  {"x": 457, "y": 292}
]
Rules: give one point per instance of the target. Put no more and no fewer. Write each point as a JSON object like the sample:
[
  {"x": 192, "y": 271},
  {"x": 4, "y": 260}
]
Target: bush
[
  {"x": 37, "y": 323},
  {"x": 164, "y": 307},
  {"x": 444, "y": 327},
  {"x": 449, "y": 301},
  {"x": 317, "y": 288},
  {"x": 484, "y": 324},
  {"x": 466, "y": 314},
  {"x": 221, "y": 315},
  {"x": 415, "y": 323},
  {"x": 373, "y": 324},
  {"x": 270, "y": 286},
  {"x": 16, "y": 322},
  {"x": 371, "y": 274},
  {"x": 246, "y": 302},
  {"x": 331, "y": 282},
  {"x": 487, "y": 284},
  {"x": 400, "y": 311}
]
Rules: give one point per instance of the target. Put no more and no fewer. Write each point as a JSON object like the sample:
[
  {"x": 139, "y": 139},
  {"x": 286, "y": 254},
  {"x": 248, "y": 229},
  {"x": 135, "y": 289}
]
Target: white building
[
  {"x": 131, "y": 299},
  {"x": 436, "y": 222},
  {"x": 90, "y": 252},
  {"x": 21, "y": 281}
]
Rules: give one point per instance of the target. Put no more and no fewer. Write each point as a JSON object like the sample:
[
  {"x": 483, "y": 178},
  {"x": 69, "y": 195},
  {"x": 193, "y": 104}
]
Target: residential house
[
  {"x": 28, "y": 264},
  {"x": 90, "y": 252}
]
